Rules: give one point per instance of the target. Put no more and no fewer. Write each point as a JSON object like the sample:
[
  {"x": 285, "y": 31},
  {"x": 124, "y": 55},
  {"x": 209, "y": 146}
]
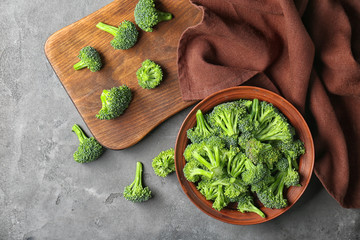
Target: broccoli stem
[
  {"x": 107, "y": 28},
  {"x": 202, "y": 160},
  {"x": 199, "y": 171},
  {"x": 79, "y": 132},
  {"x": 138, "y": 174},
  {"x": 80, "y": 65},
  {"x": 164, "y": 16}
]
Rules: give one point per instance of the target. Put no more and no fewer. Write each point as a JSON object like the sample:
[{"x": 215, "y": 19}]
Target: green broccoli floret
[
  {"x": 125, "y": 36},
  {"x": 204, "y": 159},
  {"x": 246, "y": 204},
  {"x": 233, "y": 187},
  {"x": 147, "y": 16},
  {"x": 269, "y": 155},
  {"x": 292, "y": 150},
  {"x": 136, "y": 192},
  {"x": 89, "y": 58},
  {"x": 201, "y": 131},
  {"x": 236, "y": 163},
  {"x": 272, "y": 195},
  {"x": 278, "y": 128},
  {"x": 207, "y": 189},
  {"x": 282, "y": 165},
  {"x": 89, "y": 149},
  {"x": 149, "y": 75},
  {"x": 163, "y": 164},
  {"x": 248, "y": 123},
  {"x": 114, "y": 102},
  {"x": 225, "y": 117},
  {"x": 254, "y": 173},
  {"x": 221, "y": 200}
]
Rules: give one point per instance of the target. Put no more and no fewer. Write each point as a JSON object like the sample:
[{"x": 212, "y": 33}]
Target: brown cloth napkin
[{"x": 307, "y": 51}]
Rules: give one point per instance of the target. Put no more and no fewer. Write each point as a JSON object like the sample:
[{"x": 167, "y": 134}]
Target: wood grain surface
[{"x": 148, "y": 108}]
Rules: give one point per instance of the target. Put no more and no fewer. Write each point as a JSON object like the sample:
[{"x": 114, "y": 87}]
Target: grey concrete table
[{"x": 44, "y": 194}]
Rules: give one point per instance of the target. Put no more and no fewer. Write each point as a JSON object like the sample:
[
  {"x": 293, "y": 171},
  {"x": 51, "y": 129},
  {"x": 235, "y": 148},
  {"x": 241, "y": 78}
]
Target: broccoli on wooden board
[{"x": 89, "y": 58}]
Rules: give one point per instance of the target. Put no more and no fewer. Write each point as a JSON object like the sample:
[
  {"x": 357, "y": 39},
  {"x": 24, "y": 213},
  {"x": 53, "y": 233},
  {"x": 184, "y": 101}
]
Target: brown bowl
[{"x": 306, "y": 162}]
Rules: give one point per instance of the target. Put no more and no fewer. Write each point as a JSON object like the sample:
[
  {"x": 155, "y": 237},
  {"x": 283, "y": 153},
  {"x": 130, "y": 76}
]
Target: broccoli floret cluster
[
  {"x": 242, "y": 149},
  {"x": 114, "y": 102},
  {"x": 149, "y": 75},
  {"x": 89, "y": 149},
  {"x": 147, "y": 16},
  {"x": 164, "y": 164},
  {"x": 125, "y": 36},
  {"x": 89, "y": 58},
  {"x": 136, "y": 191}
]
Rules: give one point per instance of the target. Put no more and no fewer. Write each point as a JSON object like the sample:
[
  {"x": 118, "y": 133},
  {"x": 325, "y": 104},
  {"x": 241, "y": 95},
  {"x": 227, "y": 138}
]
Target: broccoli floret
[
  {"x": 236, "y": 163},
  {"x": 282, "y": 165},
  {"x": 147, "y": 16},
  {"x": 221, "y": 200},
  {"x": 201, "y": 131},
  {"x": 114, "y": 102},
  {"x": 207, "y": 189},
  {"x": 278, "y": 128},
  {"x": 136, "y": 192},
  {"x": 249, "y": 122},
  {"x": 225, "y": 117},
  {"x": 89, "y": 58},
  {"x": 233, "y": 187},
  {"x": 149, "y": 75},
  {"x": 89, "y": 149},
  {"x": 204, "y": 159},
  {"x": 253, "y": 149},
  {"x": 292, "y": 150},
  {"x": 246, "y": 204},
  {"x": 254, "y": 173},
  {"x": 125, "y": 36},
  {"x": 164, "y": 164},
  {"x": 269, "y": 155},
  {"x": 272, "y": 195}
]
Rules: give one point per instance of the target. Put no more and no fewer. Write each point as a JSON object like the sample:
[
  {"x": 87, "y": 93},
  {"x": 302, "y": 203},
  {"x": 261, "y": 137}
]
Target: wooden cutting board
[{"x": 148, "y": 108}]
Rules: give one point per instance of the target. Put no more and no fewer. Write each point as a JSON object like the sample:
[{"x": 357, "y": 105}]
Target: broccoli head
[
  {"x": 272, "y": 196},
  {"x": 136, "y": 192},
  {"x": 164, "y": 164},
  {"x": 89, "y": 58},
  {"x": 149, "y": 75},
  {"x": 292, "y": 150},
  {"x": 201, "y": 131},
  {"x": 254, "y": 173},
  {"x": 147, "y": 16},
  {"x": 246, "y": 204},
  {"x": 89, "y": 149},
  {"x": 114, "y": 102},
  {"x": 125, "y": 36},
  {"x": 225, "y": 117}
]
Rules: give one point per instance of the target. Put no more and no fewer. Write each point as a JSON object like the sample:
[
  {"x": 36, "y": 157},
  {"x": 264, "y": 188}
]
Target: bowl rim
[{"x": 194, "y": 196}]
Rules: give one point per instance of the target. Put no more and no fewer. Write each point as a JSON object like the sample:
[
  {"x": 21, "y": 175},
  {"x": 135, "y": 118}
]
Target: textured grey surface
[{"x": 44, "y": 194}]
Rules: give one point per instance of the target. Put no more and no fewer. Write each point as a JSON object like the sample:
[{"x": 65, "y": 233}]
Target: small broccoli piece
[
  {"x": 149, "y": 75},
  {"x": 272, "y": 195},
  {"x": 248, "y": 123},
  {"x": 201, "y": 131},
  {"x": 89, "y": 58},
  {"x": 125, "y": 36},
  {"x": 292, "y": 150},
  {"x": 89, "y": 149},
  {"x": 147, "y": 16},
  {"x": 207, "y": 189},
  {"x": 164, "y": 164},
  {"x": 246, "y": 204},
  {"x": 136, "y": 192},
  {"x": 221, "y": 200},
  {"x": 254, "y": 173},
  {"x": 253, "y": 149},
  {"x": 278, "y": 128},
  {"x": 233, "y": 187},
  {"x": 269, "y": 155},
  {"x": 114, "y": 102},
  {"x": 204, "y": 159},
  {"x": 235, "y": 163},
  {"x": 225, "y": 117},
  {"x": 282, "y": 165}
]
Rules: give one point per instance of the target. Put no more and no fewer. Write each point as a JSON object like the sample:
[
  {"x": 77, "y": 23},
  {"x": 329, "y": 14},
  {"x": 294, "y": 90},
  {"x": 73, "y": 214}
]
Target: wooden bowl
[{"x": 306, "y": 162}]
